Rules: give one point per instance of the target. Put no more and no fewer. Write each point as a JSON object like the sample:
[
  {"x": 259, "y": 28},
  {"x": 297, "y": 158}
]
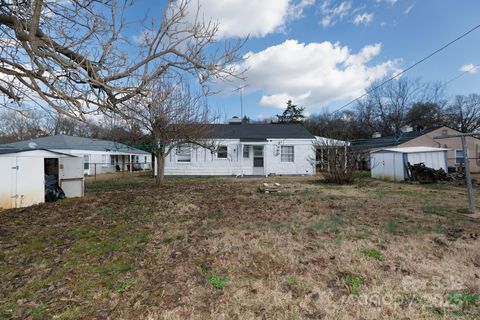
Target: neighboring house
[
  {"x": 100, "y": 156},
  {"x": 247, "y": 149},
  {"x": 425, "y": 138}
]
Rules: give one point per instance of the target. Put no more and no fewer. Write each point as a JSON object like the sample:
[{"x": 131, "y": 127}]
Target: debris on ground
[
  {"x": 421, "y": 173},
  {"x": 270, "y": 187}
]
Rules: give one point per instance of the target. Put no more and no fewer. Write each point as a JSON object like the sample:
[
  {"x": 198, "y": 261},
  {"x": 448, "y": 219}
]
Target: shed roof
[
  {"x": 259, "y": 132},
  {"x": 411, "y": 150},
  {"x": 65, "y": 142}
]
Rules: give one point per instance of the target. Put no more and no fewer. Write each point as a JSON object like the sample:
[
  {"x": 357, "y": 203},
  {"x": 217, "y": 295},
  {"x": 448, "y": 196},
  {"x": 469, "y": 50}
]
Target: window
[
  {"x": 222, "y": 152},
  {"x": 246, "y": 151},
  {"x": 459, "y": 157},
  {"x": 287, "y": 154},
  {"x": 478, "y": 154},
  {"x": 86, "y": 162},
  {"x": 444, "y": 132},
  {"x": 184, "y": 153},
  {"x": 258, "y": 151},
  {"x": 104, "y": 160},
  {"x": 112, "y": 160}
]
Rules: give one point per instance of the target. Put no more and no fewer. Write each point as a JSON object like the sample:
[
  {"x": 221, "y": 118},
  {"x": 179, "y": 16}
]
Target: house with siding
[
  {"x": 100, "y": 156},
  {"x": 247, "y": 150},
  {"x": 426, "y": 138}
]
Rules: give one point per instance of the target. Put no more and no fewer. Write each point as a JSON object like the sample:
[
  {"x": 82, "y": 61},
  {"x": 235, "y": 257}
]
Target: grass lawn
[{"x": 216, "y": 248}]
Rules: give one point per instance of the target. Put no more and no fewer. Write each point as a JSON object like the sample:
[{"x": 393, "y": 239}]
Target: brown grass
[{"x": 215, "y": 248}]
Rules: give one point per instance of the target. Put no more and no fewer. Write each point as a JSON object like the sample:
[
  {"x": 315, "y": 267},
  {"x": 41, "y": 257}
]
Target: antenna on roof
[{"x": 240, "y": 90}]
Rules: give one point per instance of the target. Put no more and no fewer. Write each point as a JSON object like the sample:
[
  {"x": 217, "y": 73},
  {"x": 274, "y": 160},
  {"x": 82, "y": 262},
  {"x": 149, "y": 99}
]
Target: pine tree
[{"x": 292, "y": 114}]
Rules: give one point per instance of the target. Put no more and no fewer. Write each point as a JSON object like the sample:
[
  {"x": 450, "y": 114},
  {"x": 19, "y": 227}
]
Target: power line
[
  {"x": 475, "y": 66},
  {"x": 409, "y": 68}
]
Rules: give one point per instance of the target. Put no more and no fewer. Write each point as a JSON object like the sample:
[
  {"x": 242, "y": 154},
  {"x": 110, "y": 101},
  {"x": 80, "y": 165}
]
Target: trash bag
[{"x": 52, "y": 191}]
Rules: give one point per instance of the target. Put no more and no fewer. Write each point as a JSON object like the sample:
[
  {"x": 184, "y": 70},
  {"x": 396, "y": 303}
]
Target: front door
[{"x": 258, "y": 167}]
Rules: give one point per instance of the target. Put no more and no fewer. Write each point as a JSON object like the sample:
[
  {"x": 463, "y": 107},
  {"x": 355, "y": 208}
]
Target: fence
[{"x": 96, "y": 168}]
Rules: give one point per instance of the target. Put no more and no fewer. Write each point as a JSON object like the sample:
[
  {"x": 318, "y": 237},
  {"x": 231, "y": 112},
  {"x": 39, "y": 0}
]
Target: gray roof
[
  {"x": 9, "y": 150},
  {"x": 390, "y": 141},
  {"x": 259, "y": 132},
  {"x": 64, "y": 142}
]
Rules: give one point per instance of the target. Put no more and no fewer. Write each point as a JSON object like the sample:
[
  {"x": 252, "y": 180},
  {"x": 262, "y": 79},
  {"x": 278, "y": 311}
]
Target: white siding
[
  {"x": 435, "y": 160},
  {"x": 390, "y": 165},
  {"x": 203, "y": 162},
  {"x": 387, "y": 165},
  {"x": 98, "y": 164},
  {"x": 23, "y": 178}
]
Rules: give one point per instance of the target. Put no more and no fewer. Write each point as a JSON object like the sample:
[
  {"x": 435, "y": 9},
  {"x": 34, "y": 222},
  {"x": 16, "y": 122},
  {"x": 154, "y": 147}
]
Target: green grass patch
[
  {"x": 463, "y": 299},
  {"x": 392, "y": 226},
  {"x": 217, "y": 282},
  {"x": 125, "y": 285},
  {"x": 332, "y": 223},
  {"x": 292, "y": 280},
  {"x": 171, "y": 239},
  {"x": 38, "y": 312},
  {"x": 437, "y": 210},
  {"x": 374, "y": 254},
  {"x": 353, "y": 283},
  {"x": 33, "y": 245}
]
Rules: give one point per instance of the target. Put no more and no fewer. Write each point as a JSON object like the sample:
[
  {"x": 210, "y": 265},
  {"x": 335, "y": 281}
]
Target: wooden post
[
  {"x": 468, "y": 176},
  {"x": 471, "y": 204}
]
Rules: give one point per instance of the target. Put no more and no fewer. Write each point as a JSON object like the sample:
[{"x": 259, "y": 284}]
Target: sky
[{"x": 323, "y": 53}]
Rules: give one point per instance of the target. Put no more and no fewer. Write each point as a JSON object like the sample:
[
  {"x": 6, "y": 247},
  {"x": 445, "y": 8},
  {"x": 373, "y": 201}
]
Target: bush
[{"x": 338, "y": 164}]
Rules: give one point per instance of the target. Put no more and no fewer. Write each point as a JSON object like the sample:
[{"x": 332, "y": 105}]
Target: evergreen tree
[{"x": 292, "y": 114}]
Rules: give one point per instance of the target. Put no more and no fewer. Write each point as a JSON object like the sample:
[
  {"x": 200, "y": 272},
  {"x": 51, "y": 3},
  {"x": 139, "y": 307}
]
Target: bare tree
[
  {"x": 15, "y": 126},
  {"x": 73, "y": 55},
  {"x": 174, "y": 117},
  {"x": 464, "y": 113},
  {"x": 386, "y": 107}
]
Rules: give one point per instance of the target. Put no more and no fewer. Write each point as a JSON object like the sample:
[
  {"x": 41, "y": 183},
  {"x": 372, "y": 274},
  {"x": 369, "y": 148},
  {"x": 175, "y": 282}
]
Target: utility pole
[{"x": 468, "y": 176}]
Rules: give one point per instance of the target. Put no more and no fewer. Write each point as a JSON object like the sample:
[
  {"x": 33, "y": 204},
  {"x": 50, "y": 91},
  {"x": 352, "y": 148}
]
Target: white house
[
  {"x": 23, "y": 174},
  {"x": 100, "y": 156},
  {"x": 391, "y": 163},
  {"x": 247, "y": 149}
]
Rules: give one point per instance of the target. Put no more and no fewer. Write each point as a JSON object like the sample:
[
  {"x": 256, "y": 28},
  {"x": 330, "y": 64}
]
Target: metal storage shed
[
  {"x": 391, "y": 163},
  {"x": 23, "y": 172}
]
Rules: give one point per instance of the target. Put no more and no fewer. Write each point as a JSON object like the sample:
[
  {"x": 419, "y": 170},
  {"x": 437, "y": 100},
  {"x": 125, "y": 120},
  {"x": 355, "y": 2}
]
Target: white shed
[
  {"x": 391, "y": 163},
  {"x": 23, "y": 173}
]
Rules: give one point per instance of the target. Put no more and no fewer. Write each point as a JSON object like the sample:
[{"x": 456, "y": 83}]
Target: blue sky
[{"x": 325, "y": 53}]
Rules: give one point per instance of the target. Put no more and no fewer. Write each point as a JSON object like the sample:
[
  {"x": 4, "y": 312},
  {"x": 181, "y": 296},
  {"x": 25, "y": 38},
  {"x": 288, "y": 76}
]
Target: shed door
[
  {"x": 70, "y": 176},
  {"x": 7, "y": 182},
  {"x": 30, "y": 182}
]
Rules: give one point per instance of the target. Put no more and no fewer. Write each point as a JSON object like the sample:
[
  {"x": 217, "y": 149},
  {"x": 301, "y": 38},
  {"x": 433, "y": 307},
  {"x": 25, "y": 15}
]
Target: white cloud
[
  {"x": 334, "y": 12},
  {"x": 364, "y": 18},
  {"x": 313, "y": 74},
  {"x": 409, "y": 8},
  {"x": 331, "y": 14},
  {"x": 470, "y": 68},
  {"x": 296, "y": 10},
  {"x": 241, "y": 18},
  {"x": 389, "y": 2}
]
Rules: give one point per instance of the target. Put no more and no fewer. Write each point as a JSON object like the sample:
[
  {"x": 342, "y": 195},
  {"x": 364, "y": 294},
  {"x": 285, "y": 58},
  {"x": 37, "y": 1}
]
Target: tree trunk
[{"x": 160, "y": 167}]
